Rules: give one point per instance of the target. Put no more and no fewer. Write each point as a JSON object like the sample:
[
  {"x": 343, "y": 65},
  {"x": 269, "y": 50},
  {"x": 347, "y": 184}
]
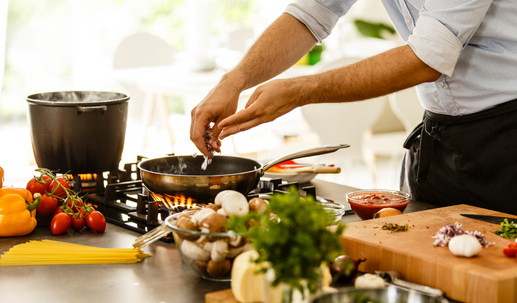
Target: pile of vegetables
[{"x": 64, "y": 206}]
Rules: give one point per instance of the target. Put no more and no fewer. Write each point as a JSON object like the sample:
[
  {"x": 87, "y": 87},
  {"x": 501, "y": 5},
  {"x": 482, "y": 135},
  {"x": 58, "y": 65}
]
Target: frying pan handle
[{"x": 305, "y": 153}]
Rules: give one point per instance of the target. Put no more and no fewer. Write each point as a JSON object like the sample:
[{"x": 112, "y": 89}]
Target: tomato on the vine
[
  {"x": 39, "y": 184},
  {"x": 96, "y": 221},
  {"x": 47, "y": 206},
  {"x": 57, "y": 190},
  {"x": 75, "y": 203},
  {"x": 60, "y": 223},
  {"x": 78, "y": 222}
]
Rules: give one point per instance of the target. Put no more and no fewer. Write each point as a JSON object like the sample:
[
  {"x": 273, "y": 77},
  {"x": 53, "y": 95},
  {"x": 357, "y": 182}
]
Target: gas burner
[{"x": 126, "y": 202}]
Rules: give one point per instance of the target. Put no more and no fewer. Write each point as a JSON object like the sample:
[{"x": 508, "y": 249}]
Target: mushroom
[
  {"x": 233, "y": 252},
  {"x": 213, "y": 223},
  {"x": 235, "y": 203},
  {"x": 257, "y": 204},
  {"x": 218, "y": 269},
  {"x": 200, "y": 215},
  {"x": 219, "y": 250},
  {"x": 237, "y": 241},
  {"x": 213, "y": 206},
  {"x": 193, "y": 251},
  {"x": 221, "y": 196},
  {"x": 185, "y": 222}
]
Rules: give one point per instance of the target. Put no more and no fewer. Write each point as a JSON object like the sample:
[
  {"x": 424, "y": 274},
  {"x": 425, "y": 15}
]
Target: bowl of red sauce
[{"x": 365, "y": 203}]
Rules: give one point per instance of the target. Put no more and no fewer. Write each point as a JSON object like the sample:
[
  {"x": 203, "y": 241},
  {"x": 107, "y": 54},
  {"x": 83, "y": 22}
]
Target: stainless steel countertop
[{"x": 160, "y": 278}]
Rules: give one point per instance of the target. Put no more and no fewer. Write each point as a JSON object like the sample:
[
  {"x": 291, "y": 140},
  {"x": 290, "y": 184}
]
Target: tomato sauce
[{"x": 365, "y": 204}]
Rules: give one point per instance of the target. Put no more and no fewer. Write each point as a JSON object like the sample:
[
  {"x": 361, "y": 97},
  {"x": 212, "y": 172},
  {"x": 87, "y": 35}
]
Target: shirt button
[
  {"x": 441, "y": 84},
  {"x": 409, "y": 21}
]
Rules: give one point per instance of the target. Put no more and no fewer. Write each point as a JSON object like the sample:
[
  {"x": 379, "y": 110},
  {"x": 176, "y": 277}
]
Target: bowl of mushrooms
[{"x": 204, "y": 243}]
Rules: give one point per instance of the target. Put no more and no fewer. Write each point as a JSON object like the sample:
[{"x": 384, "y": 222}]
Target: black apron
[{"x": 469, "y": 159}]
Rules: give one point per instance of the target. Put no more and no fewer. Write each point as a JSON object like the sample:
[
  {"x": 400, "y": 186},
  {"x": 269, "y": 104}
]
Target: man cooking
[{"x": 461, "y": 55}]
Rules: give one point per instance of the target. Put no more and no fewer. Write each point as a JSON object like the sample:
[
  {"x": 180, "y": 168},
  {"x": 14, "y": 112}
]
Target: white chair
[
  {"x": 346, "y": 122},
  {"x": 143, "y": 49}
]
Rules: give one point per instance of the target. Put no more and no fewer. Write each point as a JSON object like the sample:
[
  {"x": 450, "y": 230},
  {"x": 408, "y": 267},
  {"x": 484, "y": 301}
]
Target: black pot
[{"x": 78, "y": 131}]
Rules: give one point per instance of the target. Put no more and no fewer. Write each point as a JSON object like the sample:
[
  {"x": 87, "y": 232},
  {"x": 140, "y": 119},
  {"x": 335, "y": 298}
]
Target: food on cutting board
[
  {"x": 464, "y": 246},
  {"x": 511, "y": 250},
  {"x": 508, "y": 230},
  {"x": 394, "y": 227},
  {"x": 61, "y": 206},
  {"x": 369, "y": 281},
  {"x": 366, "y": 203},
  {"x": 48, "y": 252},
  {"x": 447, "y": 232}
]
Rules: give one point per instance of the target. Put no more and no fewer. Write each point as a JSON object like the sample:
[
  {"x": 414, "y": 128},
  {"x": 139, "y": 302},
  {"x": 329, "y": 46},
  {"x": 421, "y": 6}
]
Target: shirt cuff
[
  {"x": 320, "y": 21},
  {"x": 436, "y": 45}
]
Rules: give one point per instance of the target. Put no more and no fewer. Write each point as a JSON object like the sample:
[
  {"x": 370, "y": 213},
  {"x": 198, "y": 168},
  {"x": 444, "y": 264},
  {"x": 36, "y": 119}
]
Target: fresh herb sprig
[
  {"x": 508, "y": 230},
  {"x": 293, "y": 237}
]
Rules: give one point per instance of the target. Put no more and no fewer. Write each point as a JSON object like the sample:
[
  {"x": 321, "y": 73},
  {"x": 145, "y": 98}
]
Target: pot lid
[{"x": 74, "y": 98}]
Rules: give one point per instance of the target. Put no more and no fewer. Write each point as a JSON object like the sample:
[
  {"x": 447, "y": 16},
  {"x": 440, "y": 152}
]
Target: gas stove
[{"x": 125, "y": 201}]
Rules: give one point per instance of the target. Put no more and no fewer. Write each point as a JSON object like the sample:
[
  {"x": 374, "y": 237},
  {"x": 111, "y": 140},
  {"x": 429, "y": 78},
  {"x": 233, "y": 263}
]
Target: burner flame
[{"x": 175, "y": 203}]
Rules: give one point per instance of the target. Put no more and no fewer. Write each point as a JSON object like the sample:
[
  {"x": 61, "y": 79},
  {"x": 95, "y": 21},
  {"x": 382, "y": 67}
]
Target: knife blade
[{"x": 490, "y": 219}]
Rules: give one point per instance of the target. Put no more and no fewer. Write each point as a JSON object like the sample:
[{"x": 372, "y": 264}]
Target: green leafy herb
[
  {"x": 293, "y": 236},
  {"x": 508, "y": 230}
]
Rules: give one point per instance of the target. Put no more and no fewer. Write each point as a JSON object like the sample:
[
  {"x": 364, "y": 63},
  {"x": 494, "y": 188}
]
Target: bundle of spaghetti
[{"x": 49, "y": 252}]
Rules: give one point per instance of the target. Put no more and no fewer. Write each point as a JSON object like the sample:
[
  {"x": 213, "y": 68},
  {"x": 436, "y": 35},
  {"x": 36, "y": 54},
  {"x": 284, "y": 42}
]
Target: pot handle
[
  {"x": 86, "y": 109},
  {"x": 152, "y": 236},
  {"x": 305, "y": 153}
]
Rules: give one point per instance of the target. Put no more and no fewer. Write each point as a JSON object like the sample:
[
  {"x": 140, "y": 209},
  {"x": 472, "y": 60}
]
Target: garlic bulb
[
  {"x": 464, "y": 246},
  {"x": 369, "y": 281}
]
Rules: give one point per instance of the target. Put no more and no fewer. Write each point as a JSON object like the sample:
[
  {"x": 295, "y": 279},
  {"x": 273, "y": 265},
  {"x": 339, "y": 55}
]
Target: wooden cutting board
[{"x": 489, "y": 277}]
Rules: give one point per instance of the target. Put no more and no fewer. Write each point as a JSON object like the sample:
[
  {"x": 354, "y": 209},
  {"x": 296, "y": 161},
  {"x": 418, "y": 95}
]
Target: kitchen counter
[{"x": 159, "y": 278}]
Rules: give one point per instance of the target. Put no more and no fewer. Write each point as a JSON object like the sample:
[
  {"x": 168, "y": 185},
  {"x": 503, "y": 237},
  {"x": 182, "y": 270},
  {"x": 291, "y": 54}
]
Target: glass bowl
[
  {"x": 209, "y": 254},
  {"x": 365, "y": 203}
]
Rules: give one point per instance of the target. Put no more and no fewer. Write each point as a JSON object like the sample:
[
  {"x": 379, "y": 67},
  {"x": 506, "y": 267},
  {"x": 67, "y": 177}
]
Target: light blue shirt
[{"x": 473, "y": 43}]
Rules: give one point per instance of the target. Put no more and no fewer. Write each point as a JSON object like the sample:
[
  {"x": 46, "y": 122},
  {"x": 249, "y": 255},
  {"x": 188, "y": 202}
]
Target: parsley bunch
[
  {"x": 508, "y": 230},
  {"x": 293, "y": 237}
]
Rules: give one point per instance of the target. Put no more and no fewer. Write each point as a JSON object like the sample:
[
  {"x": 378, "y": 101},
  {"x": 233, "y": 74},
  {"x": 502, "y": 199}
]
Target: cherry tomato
[
  {"x": 74, "y": 203},
  {"x": 510, "y": 250},
  {"x": 39, "y": 184},
  {"x": 78, "y": 222},
  {"x": 96, "y": 221},
  {"x": 57, "y": 190},
  {"x": 47, "y": 206},
  {"x": 60, "y": 223}
]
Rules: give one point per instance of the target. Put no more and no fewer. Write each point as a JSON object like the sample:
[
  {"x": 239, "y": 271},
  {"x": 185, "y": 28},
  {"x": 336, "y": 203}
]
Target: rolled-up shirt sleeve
[
  {"x": 320, "y": 16},
  {"x": 444, "y": 28}
]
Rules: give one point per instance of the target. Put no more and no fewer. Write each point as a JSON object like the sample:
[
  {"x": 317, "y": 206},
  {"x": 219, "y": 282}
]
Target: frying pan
[{"x": 174, "y": 175}]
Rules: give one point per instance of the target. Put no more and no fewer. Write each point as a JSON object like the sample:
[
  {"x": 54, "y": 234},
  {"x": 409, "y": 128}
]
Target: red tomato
[
  {"x": 58, "y": 190},
  {"x": 60, "y": 223},
  {"x": 38, "y": 184},
  {"x": 511, "y": 250},
  {"x": 47, "y": 206},
  {"x": 96, "y": 221},
  {"x": 78, "y": 223},
  {"x": 74, "y": 203}
]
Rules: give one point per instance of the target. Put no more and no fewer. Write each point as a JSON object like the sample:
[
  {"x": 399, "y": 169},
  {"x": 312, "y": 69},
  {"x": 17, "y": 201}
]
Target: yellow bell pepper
[
  {"x": 17, "y": 211},
  {"x": 1, "y": 176}
]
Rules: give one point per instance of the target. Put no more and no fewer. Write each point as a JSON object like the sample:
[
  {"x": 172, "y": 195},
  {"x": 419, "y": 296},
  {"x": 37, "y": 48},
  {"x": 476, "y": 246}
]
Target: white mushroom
[
  {"x": 200, "y": 215},
  {"x": 193, "y": 251},
  {"x": 221, "y": 196},
  {"x": 222, "y": 212},
  {"x": 233, "y": 252},
  {"x": 235, "y": 203},
  {"x": 219, "y": 250}
]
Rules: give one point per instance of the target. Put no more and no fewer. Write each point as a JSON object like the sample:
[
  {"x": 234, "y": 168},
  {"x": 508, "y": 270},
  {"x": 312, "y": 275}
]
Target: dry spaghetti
[{"x": 49, "y": 252}]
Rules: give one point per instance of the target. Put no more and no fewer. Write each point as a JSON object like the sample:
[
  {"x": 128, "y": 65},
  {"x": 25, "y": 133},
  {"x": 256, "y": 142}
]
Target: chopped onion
[{"x": 447, "y": 232}]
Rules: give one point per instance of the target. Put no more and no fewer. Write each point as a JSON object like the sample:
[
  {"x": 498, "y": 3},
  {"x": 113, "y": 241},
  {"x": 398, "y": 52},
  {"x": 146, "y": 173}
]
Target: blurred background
[{"x": 109, "y": 45}]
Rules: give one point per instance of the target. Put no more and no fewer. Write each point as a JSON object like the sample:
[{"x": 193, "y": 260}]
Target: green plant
[
  {"x": 293, "y": 236},
  {"x": 373, "y": 30}
]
